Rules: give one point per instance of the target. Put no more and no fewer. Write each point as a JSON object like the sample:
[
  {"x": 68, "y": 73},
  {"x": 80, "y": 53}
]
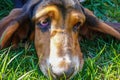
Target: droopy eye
[
  {"x": 44, "y": 24},
  {"x": 76, "y": 27}
]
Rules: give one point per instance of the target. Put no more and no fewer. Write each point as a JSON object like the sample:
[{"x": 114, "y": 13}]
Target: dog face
[
  {"x": 56, "y": 26},
  {"x": 56, "y": 39}
]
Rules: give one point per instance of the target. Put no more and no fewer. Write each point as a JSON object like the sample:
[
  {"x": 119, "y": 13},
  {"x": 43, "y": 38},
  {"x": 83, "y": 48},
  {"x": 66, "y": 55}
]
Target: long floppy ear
[
  {"x": 93, "y": 24},
  {"x": 13, "y": 28},
  {"x": 17, "y": 25},
  {"x": 116, "y": 26}
]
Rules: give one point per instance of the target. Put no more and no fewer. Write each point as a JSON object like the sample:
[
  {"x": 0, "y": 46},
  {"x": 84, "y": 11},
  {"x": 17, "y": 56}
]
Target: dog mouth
[
  {"x": 65, "y": 75},
  {"x": 62, "y": 76}
]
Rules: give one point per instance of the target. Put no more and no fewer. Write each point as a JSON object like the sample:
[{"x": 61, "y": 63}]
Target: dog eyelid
[
  {"x": 76, "y": 26},
  {"x": 44, "y": 22}
]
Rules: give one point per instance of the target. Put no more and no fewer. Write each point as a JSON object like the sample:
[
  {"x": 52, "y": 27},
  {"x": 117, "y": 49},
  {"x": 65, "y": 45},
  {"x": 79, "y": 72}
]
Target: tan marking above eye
[
  {"x": 51, "y": 11},
  {"x": 77, "y": 17},
  {"x": 42, "y": 19},
  {"x": 73, "y": 18}
]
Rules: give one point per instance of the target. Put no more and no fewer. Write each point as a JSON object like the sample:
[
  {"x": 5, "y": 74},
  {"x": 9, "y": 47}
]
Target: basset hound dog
[{"x": 55, "y": 27}]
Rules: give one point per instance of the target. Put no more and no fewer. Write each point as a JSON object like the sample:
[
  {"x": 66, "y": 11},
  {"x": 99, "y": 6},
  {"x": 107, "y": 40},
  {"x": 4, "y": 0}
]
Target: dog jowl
[{"x": 54, "y": 25}]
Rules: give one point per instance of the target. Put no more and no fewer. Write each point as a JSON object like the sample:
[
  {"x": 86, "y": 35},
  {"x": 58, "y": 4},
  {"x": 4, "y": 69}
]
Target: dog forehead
[
  {"x": 64, "y": 3},
  {"x": 71, "y": 2}
]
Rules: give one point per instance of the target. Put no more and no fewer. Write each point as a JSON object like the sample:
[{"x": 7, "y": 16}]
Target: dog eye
[
  {"x": 76, "y": 27},
  {"x": 44, "y": 25}
]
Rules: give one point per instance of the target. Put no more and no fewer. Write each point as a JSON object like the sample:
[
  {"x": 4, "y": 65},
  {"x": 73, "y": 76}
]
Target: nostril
[{"x": 69, "y": 72}]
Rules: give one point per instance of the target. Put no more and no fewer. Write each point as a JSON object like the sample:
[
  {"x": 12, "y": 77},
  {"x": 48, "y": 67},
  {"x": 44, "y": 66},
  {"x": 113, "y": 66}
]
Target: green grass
[{"x": 102, "y": 57}]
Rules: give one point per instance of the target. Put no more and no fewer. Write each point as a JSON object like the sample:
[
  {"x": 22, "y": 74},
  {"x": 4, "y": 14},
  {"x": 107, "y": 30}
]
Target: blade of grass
[
  {"x": 28, "y": 73},
  {"x": 4, "y": 61},
  {"x": 99, "y": 54},
  {"x": 14, "y": 58}
]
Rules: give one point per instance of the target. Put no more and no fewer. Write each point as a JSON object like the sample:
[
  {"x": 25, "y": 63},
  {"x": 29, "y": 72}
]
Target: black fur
[
  {"x": 19, "y": 3},
  {"x": 91, "y": 21}
]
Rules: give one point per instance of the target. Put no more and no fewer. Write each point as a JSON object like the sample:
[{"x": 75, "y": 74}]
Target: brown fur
[{"x": 60, "y": 39}]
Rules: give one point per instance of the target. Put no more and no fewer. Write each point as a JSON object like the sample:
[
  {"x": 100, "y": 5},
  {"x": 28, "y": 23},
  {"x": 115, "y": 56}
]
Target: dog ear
[
  {"x": 92, "y": 24},
  {"x": 18, "y": 25},
  {"x": 116, "y": 26},
  {"x": 13, "y": 27}
]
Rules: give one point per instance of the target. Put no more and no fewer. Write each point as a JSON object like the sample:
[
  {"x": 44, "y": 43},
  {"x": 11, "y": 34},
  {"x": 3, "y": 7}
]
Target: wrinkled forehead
[{"x": 61, "y": 5}]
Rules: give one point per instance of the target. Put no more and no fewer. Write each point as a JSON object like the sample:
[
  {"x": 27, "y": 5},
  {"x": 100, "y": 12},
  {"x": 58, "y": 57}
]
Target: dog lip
[{"x": 63, "y": 75}]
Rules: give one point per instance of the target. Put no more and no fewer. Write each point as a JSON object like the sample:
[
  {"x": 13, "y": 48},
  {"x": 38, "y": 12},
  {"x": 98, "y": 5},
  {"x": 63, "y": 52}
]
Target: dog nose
[
  {"x": 65, "y": 74},
  {"x": 69, "y": 72}
]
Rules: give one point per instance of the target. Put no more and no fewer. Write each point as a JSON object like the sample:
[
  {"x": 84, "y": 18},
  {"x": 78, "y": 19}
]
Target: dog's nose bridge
[
  {"x": 61, "y": 37},
  {"x": 66, "y": 39}
]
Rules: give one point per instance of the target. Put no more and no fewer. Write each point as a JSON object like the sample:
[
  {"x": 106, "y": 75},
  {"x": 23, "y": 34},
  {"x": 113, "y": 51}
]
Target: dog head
[{"x": 55, "y": 25}]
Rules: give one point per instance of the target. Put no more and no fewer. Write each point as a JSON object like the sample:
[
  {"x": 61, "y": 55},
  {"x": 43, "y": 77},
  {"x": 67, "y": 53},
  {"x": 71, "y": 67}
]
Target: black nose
[
  {"x": 65, "y": 75},
  {"x": 69, "y": 72}
]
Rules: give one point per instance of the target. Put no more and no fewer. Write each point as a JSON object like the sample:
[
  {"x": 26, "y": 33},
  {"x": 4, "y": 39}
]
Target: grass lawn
[{"x": 102, "y": 57}]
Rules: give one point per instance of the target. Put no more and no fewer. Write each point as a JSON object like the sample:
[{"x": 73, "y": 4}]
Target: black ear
[
  {"x": 14, "y": 27},
  {"x": 17, "y": 25},
  {"x": 92, "y": 23}
]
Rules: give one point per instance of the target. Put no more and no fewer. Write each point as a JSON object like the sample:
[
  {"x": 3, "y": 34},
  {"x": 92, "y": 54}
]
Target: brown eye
[{"x": 76, "y": 26}]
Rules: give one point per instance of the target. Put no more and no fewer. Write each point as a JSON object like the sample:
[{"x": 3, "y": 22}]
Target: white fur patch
[{"x": 55, "y": 62}]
